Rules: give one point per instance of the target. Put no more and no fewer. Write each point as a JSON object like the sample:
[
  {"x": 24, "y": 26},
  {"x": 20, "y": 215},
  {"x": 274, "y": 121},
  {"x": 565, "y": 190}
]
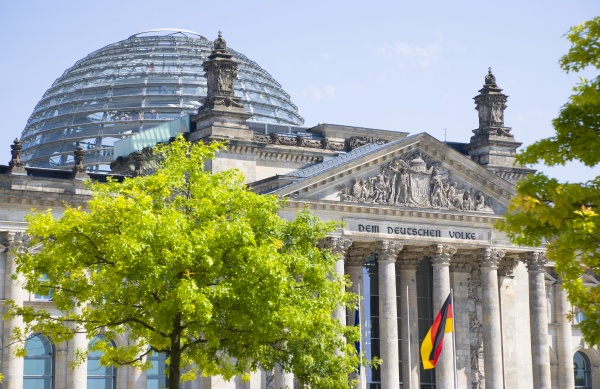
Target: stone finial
[
  {"x": 16, "y": 164},
  {"x": 221, "y": 71},
  {"x": 79, "y": 168},
  {"x": 16, "y": 148},
  {"x": 491, "y": 103},
  {"x": 490, "y": 79},
  {"x": 220, "y": 43}
]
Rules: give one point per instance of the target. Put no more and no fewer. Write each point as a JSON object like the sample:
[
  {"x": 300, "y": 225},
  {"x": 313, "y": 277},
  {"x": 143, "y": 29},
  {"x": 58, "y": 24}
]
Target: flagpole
[
  {"x": 360, "y": 338},
  {"x": 453, "y": 338},
  {"x": 409, "y": 378}
]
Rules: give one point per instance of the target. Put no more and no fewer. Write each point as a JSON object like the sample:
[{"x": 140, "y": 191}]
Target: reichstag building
[{"x": 418, "y": 216}]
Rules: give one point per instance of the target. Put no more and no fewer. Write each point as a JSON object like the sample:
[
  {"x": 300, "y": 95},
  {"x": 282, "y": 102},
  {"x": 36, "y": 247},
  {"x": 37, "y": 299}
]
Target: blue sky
[{"x": 396, "y": 65}]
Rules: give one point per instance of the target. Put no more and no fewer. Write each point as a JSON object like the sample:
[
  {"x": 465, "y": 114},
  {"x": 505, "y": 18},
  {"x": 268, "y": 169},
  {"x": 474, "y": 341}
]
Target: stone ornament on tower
[
  {"x": 79, "y": 170},
  {"x": 220, "y": 72},
  {"x": 16, "y": 164},
  {"x": 491, "y": 103}
]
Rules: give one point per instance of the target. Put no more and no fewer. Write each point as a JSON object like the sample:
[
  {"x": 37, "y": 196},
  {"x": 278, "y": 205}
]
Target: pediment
[{"x": 416, "y": 172}]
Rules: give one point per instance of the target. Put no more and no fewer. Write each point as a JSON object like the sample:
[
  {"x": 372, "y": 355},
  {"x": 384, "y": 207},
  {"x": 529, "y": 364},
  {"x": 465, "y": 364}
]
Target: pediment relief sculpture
[{"x": 410, "y": 181}]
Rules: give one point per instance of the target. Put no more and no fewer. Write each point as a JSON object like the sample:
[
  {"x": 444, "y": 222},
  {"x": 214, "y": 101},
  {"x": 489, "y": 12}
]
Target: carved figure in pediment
[
  {"x": 402, "y": 187},
  {"x": 454, "y": 200},
  {"x": 410, "y": 182},
  {"x": 467, "y": 203},
  {"x": 438, "y": 195},
  {"x": 357, "y": 190}
]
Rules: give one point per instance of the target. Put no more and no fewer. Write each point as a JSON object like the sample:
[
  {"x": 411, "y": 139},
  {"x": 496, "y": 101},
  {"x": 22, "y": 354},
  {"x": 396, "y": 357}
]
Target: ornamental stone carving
[
  {"x": 358, "y": 141},
  {"x": 78, "y": 168},
  {"x": 16, "y": 164},
  {"x": 506, "y": 267},
  {"x": 220, "y": 72},
  {"x": 535, "y": 260},
  {"x": 491, "y": 103},
  {"x": 357, "y": 256},
  {"x": 460, "y": 264},
  {"x": 409, "y": 260},
  {"x": 440, "y": 255},
  {"x": 387, "y": 250},
  {"x": 411, "y": 182},
  {"x": 488, "y": 257},
  {"x": 336, "y": 244},
  {"x": 11, "y": 240}
]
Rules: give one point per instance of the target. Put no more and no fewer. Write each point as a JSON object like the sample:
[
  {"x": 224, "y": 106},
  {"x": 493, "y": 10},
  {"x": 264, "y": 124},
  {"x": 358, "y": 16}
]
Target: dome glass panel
[{"x": 135, "y": 84}]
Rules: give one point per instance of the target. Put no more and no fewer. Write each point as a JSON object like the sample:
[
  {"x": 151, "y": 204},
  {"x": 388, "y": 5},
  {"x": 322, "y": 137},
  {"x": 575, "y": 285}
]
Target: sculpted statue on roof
[{"x": 412, "y": 183}]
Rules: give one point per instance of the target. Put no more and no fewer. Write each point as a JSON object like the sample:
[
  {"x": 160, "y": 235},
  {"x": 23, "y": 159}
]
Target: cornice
[{"x": 387, "y": 210}]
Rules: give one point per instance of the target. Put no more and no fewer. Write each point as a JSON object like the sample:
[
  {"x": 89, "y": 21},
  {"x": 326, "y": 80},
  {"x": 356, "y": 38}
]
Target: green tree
[
  {"x": 194, "y": 265},
  {"x": 566, "y": 214}
]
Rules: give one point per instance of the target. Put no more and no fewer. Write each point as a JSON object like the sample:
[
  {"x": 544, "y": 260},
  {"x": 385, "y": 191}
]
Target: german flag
[{"x": 432, "y": 345}]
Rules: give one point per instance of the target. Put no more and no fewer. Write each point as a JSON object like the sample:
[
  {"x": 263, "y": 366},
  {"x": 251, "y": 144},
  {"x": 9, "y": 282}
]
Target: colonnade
[
  {"x": 497, "y": 324},
  {"x": 451, "y": 266}
]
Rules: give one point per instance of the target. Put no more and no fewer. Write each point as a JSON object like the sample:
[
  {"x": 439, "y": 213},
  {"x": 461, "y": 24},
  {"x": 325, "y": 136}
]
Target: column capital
[
  {"x": 337, "y": 245},
  {"x": 387, "y": 250},
  {"x": 356, "y": 256},
  {"x": 488, "y": 257},
  {"x": 506, "y": 266},
  {"x": 535, "y": 260},
  {"x": 409, "y": 260},
  {"x": 461, "y": 264},
  {"x": 10, "y": 240},
  {"x": 440, "y": 255}
]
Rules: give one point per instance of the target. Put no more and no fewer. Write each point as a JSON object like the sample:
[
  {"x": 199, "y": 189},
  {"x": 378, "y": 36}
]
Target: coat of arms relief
[{"x": 412, "y": 182}]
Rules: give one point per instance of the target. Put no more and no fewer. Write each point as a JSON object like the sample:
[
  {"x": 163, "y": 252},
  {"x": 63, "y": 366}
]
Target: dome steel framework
[{"x": 148, "y": 79}]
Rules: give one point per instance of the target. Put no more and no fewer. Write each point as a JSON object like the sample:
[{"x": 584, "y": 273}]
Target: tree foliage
[
  {"x": 194, "y": 265},
  {"x": 566, "y": 214}
]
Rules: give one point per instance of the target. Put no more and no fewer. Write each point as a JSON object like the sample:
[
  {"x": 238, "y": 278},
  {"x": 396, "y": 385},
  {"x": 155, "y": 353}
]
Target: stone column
[
  {"x": 540, "y": 353},
  {"x": 407, "y": 264},
  {"x": 338, "y": 246},
  {"x": 77, "y": 375},
  {"x": 283, "y": 379},
  {"x": 388, "y": 313},
  {"x": 460, "y": 270},
  {"x": 12, "y": 366},
  {"x": 492, "y": 329},
  {"x": 355, "y": 260},
  {"x": 509, "y": 324},
  {"x": 564, "y": 347},
  {"x": 440, "y": 260}
]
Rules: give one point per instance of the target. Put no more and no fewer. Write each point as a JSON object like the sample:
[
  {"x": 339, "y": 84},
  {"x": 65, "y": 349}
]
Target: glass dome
[{"x": 135, "y": 84}]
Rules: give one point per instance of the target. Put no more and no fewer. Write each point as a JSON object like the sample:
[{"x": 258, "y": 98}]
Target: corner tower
[{"x": 492, "y": 145}]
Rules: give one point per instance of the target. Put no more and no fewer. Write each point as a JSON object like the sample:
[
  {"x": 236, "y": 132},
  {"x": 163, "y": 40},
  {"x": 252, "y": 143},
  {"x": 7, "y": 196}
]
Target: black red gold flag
[{"x": 432, "y": 345}]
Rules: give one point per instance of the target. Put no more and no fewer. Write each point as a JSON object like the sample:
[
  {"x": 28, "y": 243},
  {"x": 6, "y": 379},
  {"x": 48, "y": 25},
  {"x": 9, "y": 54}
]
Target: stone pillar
[
  {"x": 355, "y": 260},
  {"x": 12, "y": 366},
  {"x": 77, "y": 375},
  {"x": 407, "y": 264},
  {"x": 540, "y": 352},
  {"x": 460, "y": 270},
  {"x": 388, "y": 313},
  {"x": 564, "y": 347},
  {"x": 283, "y": 379},
  {"x": 509, "y": 324},
  {"x": 440, "y": 260},
  {"x": 492, "y": 329},
  {"x": 61, "y": 365},
  {"x": 338, "y": 246}
]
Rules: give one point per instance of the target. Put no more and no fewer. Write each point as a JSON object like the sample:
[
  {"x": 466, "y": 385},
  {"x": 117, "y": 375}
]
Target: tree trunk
[{"x": 175, "y": 362}]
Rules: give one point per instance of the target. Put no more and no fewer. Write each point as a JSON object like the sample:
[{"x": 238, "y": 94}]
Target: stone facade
[{"x": 417, "y": 209}]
